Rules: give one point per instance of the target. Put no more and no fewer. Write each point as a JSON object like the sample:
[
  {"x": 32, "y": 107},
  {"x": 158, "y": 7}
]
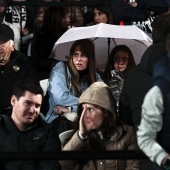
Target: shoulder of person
[
  {"x": 3, "y": 118},
  {"x": 59, "y": 66},
  {"x": 20, "y": 59}
]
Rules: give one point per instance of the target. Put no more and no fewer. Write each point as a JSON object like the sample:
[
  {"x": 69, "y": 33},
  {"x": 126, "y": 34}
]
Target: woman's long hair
[
  {"x": 110, "y": 63},
  {"x": 87, "y": 48},
  {"x": 52, "y": 21}
]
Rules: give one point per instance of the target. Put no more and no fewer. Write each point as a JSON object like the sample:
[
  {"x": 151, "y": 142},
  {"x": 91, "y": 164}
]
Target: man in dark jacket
[
  {"x": 14, "y": 66},
  {"x": 139, "y": 79},
  {"x": 23, "y": 129}
]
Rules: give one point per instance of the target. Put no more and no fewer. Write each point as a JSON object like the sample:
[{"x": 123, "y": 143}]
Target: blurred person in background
[
  {"x": 102, "y": 13},
  {"x": 17, "y": 37},
  {"x": 55, "y": 23}
]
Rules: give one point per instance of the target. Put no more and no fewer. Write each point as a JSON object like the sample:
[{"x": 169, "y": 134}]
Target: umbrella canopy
[{"x": 105, "y": 38}]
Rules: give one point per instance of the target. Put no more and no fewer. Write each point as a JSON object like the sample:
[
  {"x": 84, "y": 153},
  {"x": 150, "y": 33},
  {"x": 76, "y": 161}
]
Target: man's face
[
  {"x": 5, "y": 51},
  {"x": 26, "y": 109}
]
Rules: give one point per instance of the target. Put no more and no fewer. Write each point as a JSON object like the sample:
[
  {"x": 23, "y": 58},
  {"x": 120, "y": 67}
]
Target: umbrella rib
[
  {"x": 139, "y": 41},
  {"x": 114, "y": 41}
]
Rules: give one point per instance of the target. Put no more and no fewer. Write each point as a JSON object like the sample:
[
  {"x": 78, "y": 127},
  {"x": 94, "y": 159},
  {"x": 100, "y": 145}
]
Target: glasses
[{"x": 119, "y": 59}]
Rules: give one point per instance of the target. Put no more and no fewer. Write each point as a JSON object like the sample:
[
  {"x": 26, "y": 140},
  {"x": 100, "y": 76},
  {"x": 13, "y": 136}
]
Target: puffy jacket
[
  {"x": 120, "y": 137},
  {"x": 37, "y": 137},
  {"x": 124, "y": 140}
]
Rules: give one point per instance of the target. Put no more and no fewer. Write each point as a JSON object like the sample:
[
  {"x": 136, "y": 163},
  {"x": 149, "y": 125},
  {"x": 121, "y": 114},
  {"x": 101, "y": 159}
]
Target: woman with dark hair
[
  {"x": 120, "y": 61},
  {"x": 98, "y": 129},
  {"x": 102, "y": 13},
  {"x": 55, "y": 23},
  {"x": 68, "y": 80}
]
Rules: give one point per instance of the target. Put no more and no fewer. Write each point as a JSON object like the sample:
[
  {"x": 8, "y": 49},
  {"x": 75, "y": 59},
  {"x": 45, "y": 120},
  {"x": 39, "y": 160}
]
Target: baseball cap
[{"x": 6, "y": 33}]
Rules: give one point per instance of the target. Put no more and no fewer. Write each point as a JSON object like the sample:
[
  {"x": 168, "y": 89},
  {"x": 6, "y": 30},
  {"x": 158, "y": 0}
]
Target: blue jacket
[{"x": 59, "y": 92}]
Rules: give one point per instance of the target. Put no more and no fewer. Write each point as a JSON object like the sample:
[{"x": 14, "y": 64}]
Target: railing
[
  {"x": 64, "y": 3},
  {"x": 72, "y": 155}
]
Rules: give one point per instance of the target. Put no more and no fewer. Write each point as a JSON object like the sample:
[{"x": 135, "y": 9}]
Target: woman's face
[
  {"x": 99, "y": 17},
  {"x": 65, "y": 22},
  {"x": 80, "y": 60},
  {"x": 93, "y": 116},
  {"x": 121, "y": 61}
]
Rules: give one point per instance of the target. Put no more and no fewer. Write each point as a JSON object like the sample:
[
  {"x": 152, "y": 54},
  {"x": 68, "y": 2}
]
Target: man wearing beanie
[
  {"x": 98, "y": 128},
  {"x": 14, "y": 66},
  {"x": 3, "y": 8}
]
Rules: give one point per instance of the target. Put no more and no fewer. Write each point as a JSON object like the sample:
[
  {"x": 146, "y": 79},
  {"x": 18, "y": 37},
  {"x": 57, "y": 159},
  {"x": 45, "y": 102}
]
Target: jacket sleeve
[
  {"x": 74, "y": 144},
  {"x": 156, "y": 5},
  {"x": 123, "y": 11},
  {"x": 98, "y": 77},
  {"x": 151, "y": 123},
  {"x": 59, "y": 92},
  {"x": 53, "y": 144}
]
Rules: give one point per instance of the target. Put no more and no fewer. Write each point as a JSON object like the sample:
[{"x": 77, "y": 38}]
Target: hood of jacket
[
  {"x": 99, "y": 94},
  {"x": 152, "y": 55}
]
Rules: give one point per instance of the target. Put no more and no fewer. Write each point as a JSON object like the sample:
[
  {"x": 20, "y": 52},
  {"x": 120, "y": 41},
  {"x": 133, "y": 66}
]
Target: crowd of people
[{"x": 122, "y": 107}]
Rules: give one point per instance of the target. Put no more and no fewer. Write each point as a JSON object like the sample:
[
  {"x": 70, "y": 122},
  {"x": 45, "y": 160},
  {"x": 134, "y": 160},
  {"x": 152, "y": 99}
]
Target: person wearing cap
[
  {"x": 3, "y": 9},
  {"x": 98, "y": 128},
  {"x": 14, "y": 66}
]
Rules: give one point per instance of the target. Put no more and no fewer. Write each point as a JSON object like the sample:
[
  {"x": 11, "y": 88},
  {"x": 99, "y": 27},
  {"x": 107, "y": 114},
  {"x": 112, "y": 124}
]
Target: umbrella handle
[{"x": 108, "y": 40}]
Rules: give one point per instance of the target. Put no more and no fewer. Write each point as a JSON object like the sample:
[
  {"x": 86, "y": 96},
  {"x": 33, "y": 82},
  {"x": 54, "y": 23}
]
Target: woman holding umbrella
[{"x": 68, "y": 80}]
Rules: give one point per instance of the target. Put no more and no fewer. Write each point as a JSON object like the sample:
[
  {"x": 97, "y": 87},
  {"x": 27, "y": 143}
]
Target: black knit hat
[{"x": 6, "y": 33}]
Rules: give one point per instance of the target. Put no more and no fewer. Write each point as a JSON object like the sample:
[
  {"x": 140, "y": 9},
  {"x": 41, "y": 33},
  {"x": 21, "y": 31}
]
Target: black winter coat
[
  {"x": 39, "y": 136},
  {"x": 136, "y": 85},
  {"x": 18, "y": 68}
]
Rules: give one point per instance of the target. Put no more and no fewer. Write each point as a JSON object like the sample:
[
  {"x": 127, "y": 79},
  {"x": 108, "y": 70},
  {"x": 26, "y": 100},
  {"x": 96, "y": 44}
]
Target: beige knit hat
[{"x": 99, "y": 94}]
